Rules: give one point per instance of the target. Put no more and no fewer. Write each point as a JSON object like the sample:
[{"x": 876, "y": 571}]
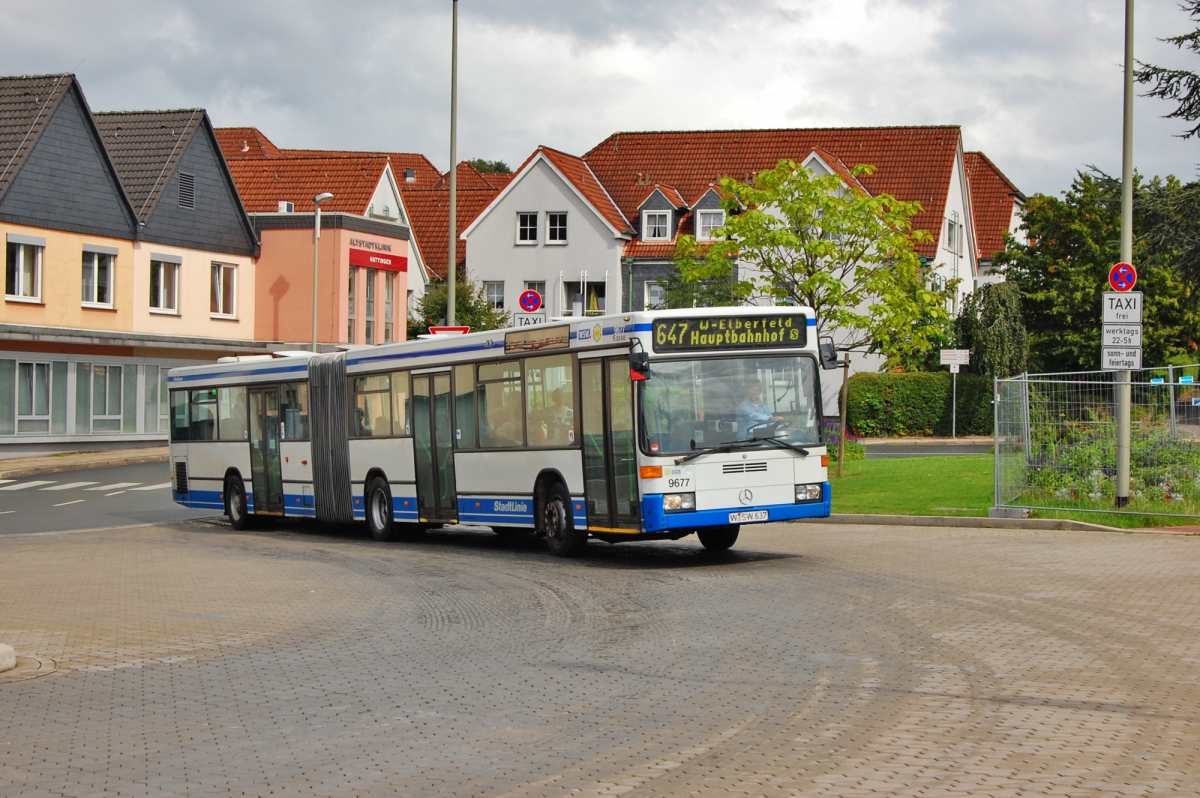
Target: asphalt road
[
  {"x": 89, "y": 499},
  {"x": 811, "y": 660}
]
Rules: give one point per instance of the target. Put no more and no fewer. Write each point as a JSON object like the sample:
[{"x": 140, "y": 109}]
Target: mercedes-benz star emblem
[{"x": 746, "y": 496}]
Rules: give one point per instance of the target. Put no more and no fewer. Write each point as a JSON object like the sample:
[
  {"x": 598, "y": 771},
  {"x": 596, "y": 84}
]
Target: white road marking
[
  {"x": 113, "y": 486},
  {"x": 6, "y": 512},
  {"x": 64, "y": 504},
  {"x": 114, "y": 493},
  {"x": 34, "y": 484},
  {"x": 70, "y": 485},
  {"x": 6, "y": 481},
  {"x": 154, "y": 487}
]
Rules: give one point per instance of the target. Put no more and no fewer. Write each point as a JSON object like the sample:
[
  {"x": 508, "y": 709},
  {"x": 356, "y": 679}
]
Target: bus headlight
[
  {"x": 677, "y": 502},
  {"x": 809, "y": 493}
]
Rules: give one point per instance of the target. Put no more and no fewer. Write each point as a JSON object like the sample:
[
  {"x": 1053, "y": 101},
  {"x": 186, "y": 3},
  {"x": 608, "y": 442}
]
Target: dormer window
[
  {"x": 656, "y": 225},
  {"x": 706, "y": 222}
]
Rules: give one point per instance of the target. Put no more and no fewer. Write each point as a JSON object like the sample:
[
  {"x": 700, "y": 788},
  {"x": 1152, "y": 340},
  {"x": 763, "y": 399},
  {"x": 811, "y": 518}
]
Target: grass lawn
[{"x": 953, "y": 485}]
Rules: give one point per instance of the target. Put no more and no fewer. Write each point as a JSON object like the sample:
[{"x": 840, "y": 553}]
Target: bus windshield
[{"x": 688, "y": 405}]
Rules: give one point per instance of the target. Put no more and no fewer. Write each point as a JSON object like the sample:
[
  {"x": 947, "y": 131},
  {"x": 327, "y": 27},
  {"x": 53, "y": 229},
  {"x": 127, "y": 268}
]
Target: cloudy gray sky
[{"x": 1034, "y": 83}]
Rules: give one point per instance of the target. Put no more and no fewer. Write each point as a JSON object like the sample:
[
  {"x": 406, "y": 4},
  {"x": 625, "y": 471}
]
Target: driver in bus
[{"x": 752, "y": 412}]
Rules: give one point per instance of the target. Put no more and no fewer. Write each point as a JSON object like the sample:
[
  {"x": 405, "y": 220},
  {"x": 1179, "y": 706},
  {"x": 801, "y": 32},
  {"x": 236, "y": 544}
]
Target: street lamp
[{"x": 317, "y": 200}]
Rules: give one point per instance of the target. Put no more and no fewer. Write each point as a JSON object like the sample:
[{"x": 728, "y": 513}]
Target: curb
[
  {"x": 971, "y": 522},
  {"x": 66, "y": 464}
]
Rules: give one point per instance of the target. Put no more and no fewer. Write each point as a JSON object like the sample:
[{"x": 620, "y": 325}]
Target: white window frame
[
  {"x": 520, "y": 228},
  {"x": 94, "y": 266},
  {"x": 159, "y": 309},
  {"x": 550, "y": 241},
  {"x": 537, "y": 285},
  {"x": 646, "y": 226},
  {"x": 487, "y": 293},
  {"x": 228, "y": 272},
  {"x": 33, "y": 415},
  {"x": 34, "y": 298},
  {"x": 700, "y": 234},
  {"x": 369, "y": 300},
  {"x": 108, "y": 415},
  {"x": 646, "y": 303}
]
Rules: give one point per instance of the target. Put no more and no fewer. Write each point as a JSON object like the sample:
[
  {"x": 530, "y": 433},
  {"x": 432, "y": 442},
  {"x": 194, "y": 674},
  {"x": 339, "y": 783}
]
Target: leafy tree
[
  {"x": 990, "y": 325},
  {"x": 716, "y": 291},
  {"x": 490, "y": 167},
  {"x": 1063, "y": 270},
  {"x": 806, "y": 239},
  {"x": 471, "y": 307},
  {"x": 1180, "y": 85}
]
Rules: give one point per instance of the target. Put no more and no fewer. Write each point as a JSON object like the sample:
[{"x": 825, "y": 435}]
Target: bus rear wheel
[
  {"x": 718, "y": 538},
  {"x": 235, "y": 504},
  {"x": 379, "y": 511},
  {"x": 562, "y": 538}
]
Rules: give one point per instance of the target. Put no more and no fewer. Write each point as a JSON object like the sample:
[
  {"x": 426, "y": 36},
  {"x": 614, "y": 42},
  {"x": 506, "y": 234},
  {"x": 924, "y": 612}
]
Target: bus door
[
  {"x": 609, "y": 448},
  {"x": 265, "y": 469},
  {"x": 433, "y": 444}
]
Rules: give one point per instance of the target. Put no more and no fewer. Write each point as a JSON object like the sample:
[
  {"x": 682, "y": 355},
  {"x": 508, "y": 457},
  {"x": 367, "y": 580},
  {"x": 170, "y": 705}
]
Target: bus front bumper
[{"x": 655, "y": 519}]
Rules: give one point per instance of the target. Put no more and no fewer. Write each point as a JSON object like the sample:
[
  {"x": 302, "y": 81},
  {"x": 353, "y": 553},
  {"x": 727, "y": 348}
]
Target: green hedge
[{"x": 890, "y": 405}]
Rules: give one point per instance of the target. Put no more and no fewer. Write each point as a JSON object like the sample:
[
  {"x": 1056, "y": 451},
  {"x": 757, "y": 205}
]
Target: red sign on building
[{"x": 378, "y": 260}]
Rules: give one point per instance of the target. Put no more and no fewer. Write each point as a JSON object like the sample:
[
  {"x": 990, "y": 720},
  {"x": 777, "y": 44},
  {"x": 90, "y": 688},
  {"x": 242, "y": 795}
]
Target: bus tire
[
  {"x": 235, "y": 504},
  {"x": 562, "y": 538},
  {"x": 718, "y": 538},
  {"x": 380, "y": 517}
]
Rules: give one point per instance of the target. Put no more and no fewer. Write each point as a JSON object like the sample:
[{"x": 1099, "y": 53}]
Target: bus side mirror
[
  {"x": 639, "y": 366},
  {"x": 829, "y": 358}
]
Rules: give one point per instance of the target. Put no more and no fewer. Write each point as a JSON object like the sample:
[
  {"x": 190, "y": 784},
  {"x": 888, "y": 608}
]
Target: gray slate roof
[
  {"x": 145, "y": 147},
  {"x": 26, "y": 104}
]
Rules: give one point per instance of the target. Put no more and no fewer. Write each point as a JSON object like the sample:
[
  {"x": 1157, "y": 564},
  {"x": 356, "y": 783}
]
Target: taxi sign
[{"x": 1122, "y": 277}]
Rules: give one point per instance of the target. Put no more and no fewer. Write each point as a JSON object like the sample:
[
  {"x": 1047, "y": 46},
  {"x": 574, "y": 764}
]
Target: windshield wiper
[{"x": 726, "y": 448}]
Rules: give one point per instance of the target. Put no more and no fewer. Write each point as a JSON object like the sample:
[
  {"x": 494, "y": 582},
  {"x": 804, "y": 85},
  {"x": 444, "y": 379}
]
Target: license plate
[{"x": 747, "y": 517}]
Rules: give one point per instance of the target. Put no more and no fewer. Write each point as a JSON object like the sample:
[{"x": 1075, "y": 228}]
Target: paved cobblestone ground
[{"x": 811, "y": 660}]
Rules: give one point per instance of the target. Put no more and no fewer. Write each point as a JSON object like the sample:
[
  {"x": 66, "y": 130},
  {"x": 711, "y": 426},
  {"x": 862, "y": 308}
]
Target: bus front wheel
[
  {"x": 562, "y": 538},
  {"x": 379, "y": 511},
  {"x": 235, "y": 504},
  {"x": 718, "y": 538}
]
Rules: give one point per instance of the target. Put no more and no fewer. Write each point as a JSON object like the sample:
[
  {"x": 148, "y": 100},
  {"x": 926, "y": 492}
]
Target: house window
[
  {"x": 495, "y": 293},
  {"x": 224, "y": 290},
  {"x": 954, "y": 234},
  {"x": 164, "y": 282},
  {"x": 187, "y": 191},
  {"x": 537, "y": 285},
  {"x": 98, "y": 279},
  {"x": 656, "y": 226},
  {"x": 656, "y": 295},
  {"x": 556, "y": 228},
  {"x": 706, "y": 222},
  {"x": 527, "y": 228},
  {"x": 369, "y": 336},
  {"x": 106, "y": 398},
  {"x": 33, "y": 397},
  {"x": 23, "y": 275},
  {"x": 389, "y": 304},
  {"x": 350, "y": 305}
]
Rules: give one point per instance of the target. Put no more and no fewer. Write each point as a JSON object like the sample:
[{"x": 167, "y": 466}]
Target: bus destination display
[{"x": 725, "y": 332}]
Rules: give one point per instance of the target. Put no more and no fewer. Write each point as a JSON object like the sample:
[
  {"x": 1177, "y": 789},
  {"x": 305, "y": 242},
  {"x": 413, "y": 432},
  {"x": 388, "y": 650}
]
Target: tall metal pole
[
  {"x": 316, "y": 267},
  {"x": 450, "y": 276},
  {"x": 1124, "y": 398}
]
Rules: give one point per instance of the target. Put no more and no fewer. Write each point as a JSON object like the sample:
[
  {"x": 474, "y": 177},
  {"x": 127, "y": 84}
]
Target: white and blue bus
[{"x": 649, "y": 425}]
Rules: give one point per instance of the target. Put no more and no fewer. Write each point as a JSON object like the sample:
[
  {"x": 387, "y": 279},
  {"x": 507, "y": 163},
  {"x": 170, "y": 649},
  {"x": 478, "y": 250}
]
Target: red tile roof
[
  {"x": 670, "y": 193},
  {"x": 264, "y": 182},
  {"x": 429, "y": 217},
  {"x": 470, "y": 177},
  {"x": 992, "y": 198},
  {"x": 587, "y": 183},
  {"x": 245, "y": 142},
  {"x": 912, "y": 163}
]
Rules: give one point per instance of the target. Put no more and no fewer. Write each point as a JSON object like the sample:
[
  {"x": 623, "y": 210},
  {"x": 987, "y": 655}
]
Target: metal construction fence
[{"x": 1056, "y": 441}]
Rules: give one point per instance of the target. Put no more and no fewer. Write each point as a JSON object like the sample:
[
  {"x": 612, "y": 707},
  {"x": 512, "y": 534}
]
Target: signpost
[
  {"x": 1121, "y": 333},
  {"x": 530, "y": 303},
  {"x": 954, "y": 358}
]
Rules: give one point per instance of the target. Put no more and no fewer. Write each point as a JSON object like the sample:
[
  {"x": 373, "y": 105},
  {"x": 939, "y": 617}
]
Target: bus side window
[
  {"x": 373, "y": 406},
  {"x": 294, "y": 411},
  {"x": 179, "y": 416},
  {"x": 204, "y": 415},
  {"x": 401, "y": 404},
  {"x": 550, "y": 398},
  {"x": 232, "y": 417},
  {"x": 464, "y": 406},
  {"x": 501, "y": 411}
]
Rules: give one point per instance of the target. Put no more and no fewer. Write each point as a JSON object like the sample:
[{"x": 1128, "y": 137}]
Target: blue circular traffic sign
[
  {"x": 1122, "y": 277},
  {"x": 530, "y": 301}
]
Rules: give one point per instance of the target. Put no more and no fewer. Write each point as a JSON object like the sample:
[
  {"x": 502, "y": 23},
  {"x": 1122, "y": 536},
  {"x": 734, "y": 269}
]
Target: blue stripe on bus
[
  {"x": 656, "y": 520},
  {"x": 485, "y": 510},
  {"x": 248, "y": 372},
  {"x": 454, "y": 350}
]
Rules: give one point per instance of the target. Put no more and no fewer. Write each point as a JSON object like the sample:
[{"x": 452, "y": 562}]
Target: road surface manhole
[{"x": 29, "y": 668}]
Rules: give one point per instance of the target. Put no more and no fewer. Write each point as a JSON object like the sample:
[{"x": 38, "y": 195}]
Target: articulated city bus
[{"x": 648, "y": 425}]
